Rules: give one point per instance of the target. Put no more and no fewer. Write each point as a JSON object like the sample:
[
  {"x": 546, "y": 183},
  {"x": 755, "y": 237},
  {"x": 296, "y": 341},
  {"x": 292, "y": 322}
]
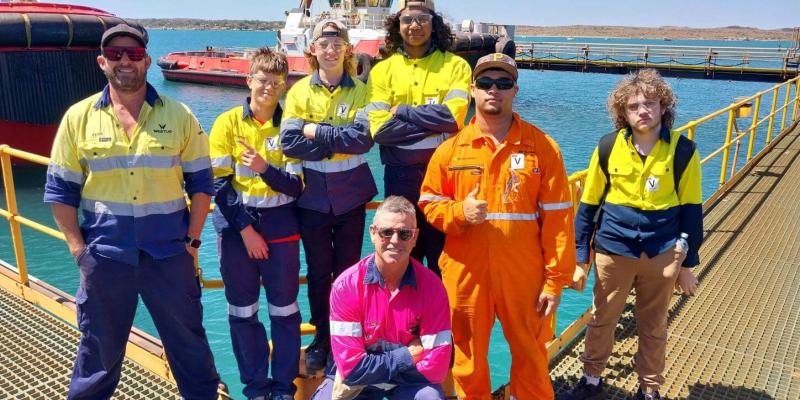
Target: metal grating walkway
[
  {"x": 739, "y": 337},
  {"x": 37, "y": 351}
]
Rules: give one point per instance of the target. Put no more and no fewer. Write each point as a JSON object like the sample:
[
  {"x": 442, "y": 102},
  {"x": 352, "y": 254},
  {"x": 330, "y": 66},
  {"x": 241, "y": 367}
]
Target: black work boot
[
  {"x": 317, "y": 354},
  {"x": 641, "y": 395},
  {"x": 584, "y": 391}
]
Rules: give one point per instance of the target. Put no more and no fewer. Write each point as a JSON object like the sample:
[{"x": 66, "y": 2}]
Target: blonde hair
[
  {"x": 269, "y": 61},
  {"x": 649, "y": 83}
]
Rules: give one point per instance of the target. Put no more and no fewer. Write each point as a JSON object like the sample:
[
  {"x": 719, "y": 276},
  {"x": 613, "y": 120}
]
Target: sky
[{"x": 765, "y": 14}]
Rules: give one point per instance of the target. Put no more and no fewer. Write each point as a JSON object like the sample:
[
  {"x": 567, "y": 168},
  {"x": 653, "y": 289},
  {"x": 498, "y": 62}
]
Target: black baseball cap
[{"x": 124, "y": 30}]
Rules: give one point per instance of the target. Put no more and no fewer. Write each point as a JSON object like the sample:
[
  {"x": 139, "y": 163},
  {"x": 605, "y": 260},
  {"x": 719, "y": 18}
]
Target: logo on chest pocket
[
  {"x": 342, "y": 110},
  {"x": 271, "y": 143}
]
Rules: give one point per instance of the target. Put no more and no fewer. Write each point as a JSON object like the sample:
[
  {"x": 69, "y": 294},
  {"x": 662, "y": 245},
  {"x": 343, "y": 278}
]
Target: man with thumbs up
[{"x": 500, "y": 193}]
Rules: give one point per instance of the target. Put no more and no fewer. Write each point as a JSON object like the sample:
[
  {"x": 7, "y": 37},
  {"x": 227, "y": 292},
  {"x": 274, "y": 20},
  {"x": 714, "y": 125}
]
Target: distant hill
[
  {"x": 209, "y": 24},
  {"x": 663, "y": 32}
]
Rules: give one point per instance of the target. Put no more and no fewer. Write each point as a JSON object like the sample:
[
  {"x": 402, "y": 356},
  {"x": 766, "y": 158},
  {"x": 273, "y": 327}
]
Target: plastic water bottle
[{"x": 682, "y": 244}]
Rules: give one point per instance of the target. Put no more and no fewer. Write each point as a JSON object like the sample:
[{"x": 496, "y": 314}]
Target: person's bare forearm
[
  {"x": 198, "y": 213},
  {"x": 66, "y": 218}
]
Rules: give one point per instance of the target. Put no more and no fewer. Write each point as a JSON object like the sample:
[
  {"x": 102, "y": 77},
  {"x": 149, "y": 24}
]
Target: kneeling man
[{"x": 390, "y": 319}]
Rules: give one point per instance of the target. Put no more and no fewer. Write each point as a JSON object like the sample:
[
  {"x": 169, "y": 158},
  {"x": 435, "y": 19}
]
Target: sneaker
[
  {"x": 258, "y": 398},
  {"x": 641, "y": 395},
  {"x": 585, "y": 391},
  {"x": 317, "y": 354},
  {"x": 281, "y": 397}
]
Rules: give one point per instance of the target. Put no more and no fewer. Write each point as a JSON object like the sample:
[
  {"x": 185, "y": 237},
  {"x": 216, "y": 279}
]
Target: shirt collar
[
  {"x": 151, "y": 96},
  {"x": 428, "y": 52},
  {"x": 514, "y": 136},
  {"x": 664, "y": 134},
  {"x": 247, "y": 112},
  {"x": 373, "y": 276},
  {"x": 347, "y": 80}
]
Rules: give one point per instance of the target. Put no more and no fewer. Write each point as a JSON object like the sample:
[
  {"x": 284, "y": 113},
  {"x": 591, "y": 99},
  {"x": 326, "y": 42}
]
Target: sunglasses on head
[
  {"x": 388, "y": 233},
  {"x": 114, "y": 53},
  {"x": 419, "y": 18},
  {"x": 486, "y": 83}
]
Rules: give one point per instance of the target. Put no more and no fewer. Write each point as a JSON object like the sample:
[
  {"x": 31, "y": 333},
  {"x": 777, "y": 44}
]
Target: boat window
[{"x": 360, "y": 3}]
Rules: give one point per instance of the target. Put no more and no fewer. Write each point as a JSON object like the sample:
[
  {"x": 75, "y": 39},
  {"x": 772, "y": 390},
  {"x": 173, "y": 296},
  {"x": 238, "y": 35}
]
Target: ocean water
[{"x": 569, "y": 106}]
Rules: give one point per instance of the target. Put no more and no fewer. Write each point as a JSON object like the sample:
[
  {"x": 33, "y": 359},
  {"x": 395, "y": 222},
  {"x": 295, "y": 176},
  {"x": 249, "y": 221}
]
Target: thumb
[{"x": 474, "y": 193}]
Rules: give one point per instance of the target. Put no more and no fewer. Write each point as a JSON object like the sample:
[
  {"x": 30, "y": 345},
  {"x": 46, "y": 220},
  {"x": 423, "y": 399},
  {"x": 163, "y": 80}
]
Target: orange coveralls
[{"x": 499, "y": 267}]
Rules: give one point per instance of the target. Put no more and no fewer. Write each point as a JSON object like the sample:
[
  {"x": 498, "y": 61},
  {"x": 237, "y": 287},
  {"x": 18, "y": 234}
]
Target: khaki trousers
[{"x": 654, "y": 280}]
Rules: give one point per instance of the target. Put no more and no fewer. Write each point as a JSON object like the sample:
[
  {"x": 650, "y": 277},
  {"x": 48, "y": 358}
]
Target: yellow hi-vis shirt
[{"x": 131, "y": 190}]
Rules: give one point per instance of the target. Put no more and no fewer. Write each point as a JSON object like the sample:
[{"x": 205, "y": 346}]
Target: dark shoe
[
  {"x": 585, "y": 391},
  {"x": 317, "y": 354},
  {"x": 640, "y": 395},
  {"x": 281, "y": 397}
]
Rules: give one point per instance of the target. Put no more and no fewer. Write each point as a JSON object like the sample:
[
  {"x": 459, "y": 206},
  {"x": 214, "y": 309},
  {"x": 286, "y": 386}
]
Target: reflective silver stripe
[
  {"x": 336, "y": 166},
  {"x": 292, "y": 123},
  {"x": 294, "y": 168},
  {"x": 266, "y": 201},
  {"x": 284, "y": 311},
  {"x": 243, "y": 312},
  {"x": 377, "y": 105},
  {"x": 222, "y": 162},
  {"x": 433, "y": 197},
  {"x": 512, "y": 216},
  {"x": 342, "y": 328},
  {"x": 133, "y": 161},
  {"x": 133, "y": 210},
  {"x": 66, "y": 174},
  {"x": 555, "y": 206},
  {"x": 384, "y": 386},
  {"x": 245, "y": 171},
  {"x": 196, "y": 165},
  {"x": 439, "y": 339},
  {"x": 456, "y": 94},
  {"x": 430, "y": 142}
]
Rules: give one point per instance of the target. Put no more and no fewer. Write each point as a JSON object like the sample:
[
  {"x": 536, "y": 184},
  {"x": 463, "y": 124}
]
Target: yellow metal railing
[{"x": 788, "y": 113}]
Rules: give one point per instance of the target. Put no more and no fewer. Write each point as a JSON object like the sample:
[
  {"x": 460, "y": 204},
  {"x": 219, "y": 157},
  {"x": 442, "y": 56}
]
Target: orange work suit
[{"x": 499, "y": 267}]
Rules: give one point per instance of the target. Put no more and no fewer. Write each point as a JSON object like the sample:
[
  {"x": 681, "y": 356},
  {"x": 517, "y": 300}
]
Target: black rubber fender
[{"x": 507, "y": 47}]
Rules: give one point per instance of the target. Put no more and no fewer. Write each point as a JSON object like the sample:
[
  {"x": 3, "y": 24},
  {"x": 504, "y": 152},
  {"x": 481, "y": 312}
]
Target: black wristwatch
[{"x": 192, "y": 242}]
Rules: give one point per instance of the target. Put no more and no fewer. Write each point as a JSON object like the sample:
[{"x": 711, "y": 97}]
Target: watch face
[{"x": 195, "y": 243}]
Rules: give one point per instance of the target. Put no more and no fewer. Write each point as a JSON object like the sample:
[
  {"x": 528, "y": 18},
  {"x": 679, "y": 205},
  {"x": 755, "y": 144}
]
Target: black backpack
[{"x": 683, "y": 153}]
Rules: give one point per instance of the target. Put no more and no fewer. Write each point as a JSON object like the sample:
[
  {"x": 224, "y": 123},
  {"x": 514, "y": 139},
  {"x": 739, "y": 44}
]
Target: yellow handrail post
[
  {"x": 753, "y": 127},
  {"x": 796, "y": 99},
  {"x": 690, "y": 133},
  {"x": 772, "y": 116},
  {"x": 726, "y": 152},
  {"x": 11, "y": 203},
  {"x": 785, "y": 107}
]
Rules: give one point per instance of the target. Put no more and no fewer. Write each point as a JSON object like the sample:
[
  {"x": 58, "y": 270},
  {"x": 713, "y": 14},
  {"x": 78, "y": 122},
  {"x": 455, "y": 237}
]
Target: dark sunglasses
[
  {"x": 388, "y": 233},
  {"x": 421, "y": 19},
  {"x": 114, "y": 53},
  {"x": 485, "y": 83}
]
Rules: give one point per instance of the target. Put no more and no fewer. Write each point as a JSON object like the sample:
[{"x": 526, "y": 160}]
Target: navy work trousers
[
  {"x": 107, "y": 298},
  {"x": 243, "y": 278},
  {"x": 413, "y": 391},
  {"x": 406, "y": 181},
  {"x": 332, "y": 244}
]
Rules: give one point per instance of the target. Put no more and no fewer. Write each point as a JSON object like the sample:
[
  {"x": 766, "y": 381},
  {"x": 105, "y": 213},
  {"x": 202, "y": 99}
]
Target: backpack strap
[
  {"x": 604, "y": 148},
  {"x": 684, "y": 151}
]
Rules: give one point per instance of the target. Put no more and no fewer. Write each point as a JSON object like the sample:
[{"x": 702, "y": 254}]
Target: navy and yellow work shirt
[
  {"x": 432, "y": 96},
  {"x": 337, "y": 177},
  {"x": 130, "y": 190},
  {"x": 243, "y": 196},
  {"x": 643, "y": 210}
]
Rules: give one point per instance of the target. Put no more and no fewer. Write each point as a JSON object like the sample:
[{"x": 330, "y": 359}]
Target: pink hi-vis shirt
[{"x": 370, "y": 326}]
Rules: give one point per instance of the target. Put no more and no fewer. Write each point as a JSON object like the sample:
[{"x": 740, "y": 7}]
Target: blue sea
[{"x": 570, "y": 106}]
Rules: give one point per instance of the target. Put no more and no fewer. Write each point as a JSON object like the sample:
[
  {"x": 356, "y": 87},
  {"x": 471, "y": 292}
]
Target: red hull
[{"x": 33, "y": 138}]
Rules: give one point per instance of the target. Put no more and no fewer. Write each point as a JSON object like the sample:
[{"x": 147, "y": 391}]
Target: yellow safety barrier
[{"x": 146, "y": 350}]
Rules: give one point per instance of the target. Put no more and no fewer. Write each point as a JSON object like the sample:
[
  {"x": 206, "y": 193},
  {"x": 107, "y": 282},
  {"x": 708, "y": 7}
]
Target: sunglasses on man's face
[
  {"x": 114, "y": 53},
  {"x": 486, "y": 83},
  {"x": 388, "y": 233}
]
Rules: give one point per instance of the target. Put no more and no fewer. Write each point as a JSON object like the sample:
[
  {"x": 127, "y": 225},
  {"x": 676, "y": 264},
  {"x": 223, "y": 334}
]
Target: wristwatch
[{"x": 192, "y": 242}]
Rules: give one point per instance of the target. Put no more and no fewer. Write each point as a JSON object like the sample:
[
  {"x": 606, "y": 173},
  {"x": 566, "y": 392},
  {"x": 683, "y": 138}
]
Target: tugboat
[
  {"x": 363, "y": 18},
  {"x": 47, "y": 62}
]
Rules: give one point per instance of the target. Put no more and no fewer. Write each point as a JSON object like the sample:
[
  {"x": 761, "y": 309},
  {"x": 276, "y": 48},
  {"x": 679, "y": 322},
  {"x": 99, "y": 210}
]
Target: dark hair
[
  {"x": 441, "y": 36},
  {"x": 651, "y": 85}
]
